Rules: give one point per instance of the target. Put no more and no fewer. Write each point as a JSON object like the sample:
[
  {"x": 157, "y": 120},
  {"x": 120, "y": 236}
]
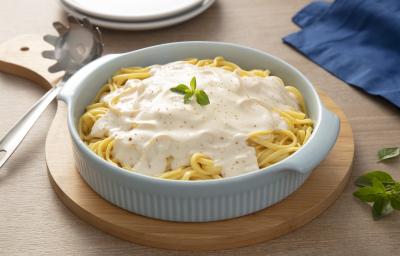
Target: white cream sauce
[{"x": 165, "y": 126}]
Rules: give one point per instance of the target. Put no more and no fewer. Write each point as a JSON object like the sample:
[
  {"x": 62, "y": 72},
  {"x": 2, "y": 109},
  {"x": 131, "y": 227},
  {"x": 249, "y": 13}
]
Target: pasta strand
[{"x": 271, "y": 146}]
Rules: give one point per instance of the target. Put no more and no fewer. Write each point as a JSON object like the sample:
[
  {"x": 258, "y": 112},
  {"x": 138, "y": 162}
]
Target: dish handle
[
  {"x": 70, "y": 86},
  {"x": 320, "y": 143}
]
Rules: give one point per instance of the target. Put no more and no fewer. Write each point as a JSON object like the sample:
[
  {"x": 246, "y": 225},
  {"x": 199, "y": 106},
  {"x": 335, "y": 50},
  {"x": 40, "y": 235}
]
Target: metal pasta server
[{"x": 76, "y": 46}]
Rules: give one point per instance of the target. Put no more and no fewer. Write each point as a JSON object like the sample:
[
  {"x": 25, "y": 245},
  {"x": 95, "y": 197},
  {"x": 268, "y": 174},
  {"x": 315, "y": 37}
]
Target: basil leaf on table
[
  {"x": 366, "y": 179},
  {"x": 395, "y": 202},
  {"x": 380, "y": 189},
  {"x": 388, "y": 153},
  {"x": 395, "y": 196},
  {"x": 366, "y": 194},
  {"x": 378, "y": 185},
  {"x": 380, "y": 208}
]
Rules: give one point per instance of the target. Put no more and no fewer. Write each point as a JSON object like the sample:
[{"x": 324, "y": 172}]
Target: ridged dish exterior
[
  {"x": 180, "y": 207},
  {"x": 196, "y": 201}
]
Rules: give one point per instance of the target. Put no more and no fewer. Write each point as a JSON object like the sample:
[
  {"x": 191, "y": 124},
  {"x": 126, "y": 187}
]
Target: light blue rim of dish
[{"x": 108, "y": 64}]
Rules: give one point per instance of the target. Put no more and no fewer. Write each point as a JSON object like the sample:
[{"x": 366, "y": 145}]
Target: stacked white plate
[{"x": 135, "y": 14}]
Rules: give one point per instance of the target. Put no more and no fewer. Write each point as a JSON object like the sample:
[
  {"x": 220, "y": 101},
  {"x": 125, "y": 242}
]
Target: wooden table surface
[{"x": 33, "y": 221}]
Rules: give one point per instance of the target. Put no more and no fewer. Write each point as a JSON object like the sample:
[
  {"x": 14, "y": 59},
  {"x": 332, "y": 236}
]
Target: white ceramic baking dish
[{"x": 196, "y": 201}]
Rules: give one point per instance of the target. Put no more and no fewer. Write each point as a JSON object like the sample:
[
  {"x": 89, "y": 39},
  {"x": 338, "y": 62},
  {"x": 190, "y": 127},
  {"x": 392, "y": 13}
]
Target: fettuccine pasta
[{"x": 269, "y": 145}]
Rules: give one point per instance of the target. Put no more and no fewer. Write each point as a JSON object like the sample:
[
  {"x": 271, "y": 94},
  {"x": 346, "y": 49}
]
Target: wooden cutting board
[{"x": 320, "y": 190}]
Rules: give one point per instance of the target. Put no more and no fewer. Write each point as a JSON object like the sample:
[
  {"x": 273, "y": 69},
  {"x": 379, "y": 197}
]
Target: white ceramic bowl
[{"x": 196, "y": 201}]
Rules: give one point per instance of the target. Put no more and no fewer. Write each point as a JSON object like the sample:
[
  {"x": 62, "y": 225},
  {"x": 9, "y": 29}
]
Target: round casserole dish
[{"x": 196, "y": 201}]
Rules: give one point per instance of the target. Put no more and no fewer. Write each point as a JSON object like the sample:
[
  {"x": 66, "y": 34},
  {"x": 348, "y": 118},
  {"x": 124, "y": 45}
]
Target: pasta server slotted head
[{"x": 74, "y": 47}]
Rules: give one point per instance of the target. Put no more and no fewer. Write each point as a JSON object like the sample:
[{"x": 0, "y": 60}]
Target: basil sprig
[
  {"x": 380, "y": 189},
  {"x": 201, "y": 96},
  {"x": 388, "y": 153}
]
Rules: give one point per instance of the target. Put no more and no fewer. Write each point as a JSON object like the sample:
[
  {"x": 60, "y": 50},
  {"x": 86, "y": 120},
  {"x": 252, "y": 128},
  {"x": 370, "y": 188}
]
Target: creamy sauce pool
[{"x": 164, "y": 126}]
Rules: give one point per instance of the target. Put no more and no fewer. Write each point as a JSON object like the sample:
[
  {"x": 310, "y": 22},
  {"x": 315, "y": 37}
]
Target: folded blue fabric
[{"x": 356, "y": 40}]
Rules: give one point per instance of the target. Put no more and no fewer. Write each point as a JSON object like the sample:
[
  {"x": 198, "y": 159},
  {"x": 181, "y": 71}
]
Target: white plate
[
  {"x": 140, "y": 25},
  {"x": 132, "y": 10}
]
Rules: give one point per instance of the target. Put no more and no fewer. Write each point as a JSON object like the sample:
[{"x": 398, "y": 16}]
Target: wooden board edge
[{"x": 254, "y": 238}]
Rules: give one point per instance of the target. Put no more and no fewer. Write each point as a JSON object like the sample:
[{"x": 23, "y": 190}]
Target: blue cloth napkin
[{"x": 356, "y": 40}]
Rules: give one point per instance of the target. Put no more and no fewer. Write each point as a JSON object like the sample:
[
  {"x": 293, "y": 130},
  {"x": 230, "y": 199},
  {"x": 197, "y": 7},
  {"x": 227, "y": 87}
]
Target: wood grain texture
[
  {"x": 319, "y": 191},
  {"x": 33, "y": 221},
  {"x": 21, "y": 56}
]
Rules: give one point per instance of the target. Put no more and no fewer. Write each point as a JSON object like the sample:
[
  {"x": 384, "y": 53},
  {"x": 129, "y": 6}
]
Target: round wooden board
[{"x": 319, "y": 191}]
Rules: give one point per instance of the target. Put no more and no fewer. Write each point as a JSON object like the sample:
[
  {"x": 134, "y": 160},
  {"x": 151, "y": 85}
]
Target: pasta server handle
[
  {"x": 17, "y": 133},
  {"x": 21, "y": 57}
]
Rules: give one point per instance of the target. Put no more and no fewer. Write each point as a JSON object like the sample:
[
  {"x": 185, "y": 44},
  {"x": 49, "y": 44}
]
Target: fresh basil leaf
[
  {"x": 380, "y": 208},
  {"x": 202, "y": 98},
  {"x": 395, "y": 201},
  {"x": 394, "y": 193},
  {"x": 396, "y": 188},
  {"x": 188, "y": 97},
  {"x": 367, "y": 194},
  {"x": 366, "y": 179},
  {"x": 181, "y": 89},
  {"x": 377, "y": 208},
  {"x": 387, "y": 153},
  {"x": 193, "y": 83},
  {"x": 388, "y": 208},
  {"x": 378, "y": 186}
]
